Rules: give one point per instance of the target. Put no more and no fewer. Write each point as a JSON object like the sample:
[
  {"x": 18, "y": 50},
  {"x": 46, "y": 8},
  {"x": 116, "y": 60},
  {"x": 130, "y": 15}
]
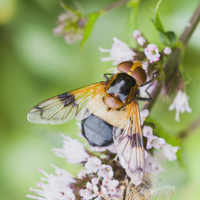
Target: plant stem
[
  {"x": 175, "y": 57},
  {"x": 183, "y": 134},
  {"x": 190, "y": 27},
  {"x": 114, "y": 5}
]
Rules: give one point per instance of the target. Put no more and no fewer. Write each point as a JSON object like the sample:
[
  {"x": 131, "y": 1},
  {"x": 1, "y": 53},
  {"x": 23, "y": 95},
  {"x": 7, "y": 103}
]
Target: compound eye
[{"x": 134, "y": 69}]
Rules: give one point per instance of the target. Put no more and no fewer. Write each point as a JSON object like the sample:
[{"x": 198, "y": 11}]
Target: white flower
[
  {"x": 152, "y": 140},
  {"x": 180, "y": 104},
  {"x": 98, "y": 198},
  {"x": 110, "y": 148},
  {"x": 141, "y": 41},
  {"x": 90, "y": 191},
  {"x": 73, "y": 151},
  {"x": 92, "y": 165},
  {"x": 109, "y": 186},
  {"x": 143, "y": 115},
  {"x": 152, "y": 52},
  {"x": 139, "y": 38},
  {"x": 136, "y": 34},
  {"x": 170, "y": 151},
  {"x": 147, "y": 131},
  {"x": 54, "y": 187},
  {"x": 152, "y": 164},
  {"x": 155, "y": 142},
  {"x": 167, "y": 50},
  {"x": 105, "y": 171},
  {"x": 119, "y": 52},
  {"x": 81, "y": 174}
]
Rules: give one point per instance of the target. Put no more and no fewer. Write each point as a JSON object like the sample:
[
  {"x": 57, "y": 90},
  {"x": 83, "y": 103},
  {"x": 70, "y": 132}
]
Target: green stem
[
  {"x": 113, "y": 6},
  {"x": 184, "y": 133}
]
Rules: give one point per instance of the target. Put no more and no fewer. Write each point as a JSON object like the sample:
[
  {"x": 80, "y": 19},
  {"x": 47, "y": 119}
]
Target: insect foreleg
[
  {"x": 144, "y": 99},
  {"x": 106, "y": 77},
  {"x": 146, "y": 90},
  {"x": 151, "y": 80}
]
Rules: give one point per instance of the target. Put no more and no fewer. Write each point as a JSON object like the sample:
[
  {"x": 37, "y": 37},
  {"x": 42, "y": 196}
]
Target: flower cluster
[
  {"x": 70, "y": 25},
  {"x": 102, "y": 175},
  {"x": 95, "y": 181},
  {"x": 102, "y": 183},
  {"x": 140, "y": 38},
  {"x": 54, "y": 187},
  {"x": 120, "y": 51},
  {"x": 160, "y": 150}
]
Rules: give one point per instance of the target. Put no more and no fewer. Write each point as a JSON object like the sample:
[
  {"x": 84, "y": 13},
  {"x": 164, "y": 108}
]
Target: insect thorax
[{"x": 120, "y": 90}]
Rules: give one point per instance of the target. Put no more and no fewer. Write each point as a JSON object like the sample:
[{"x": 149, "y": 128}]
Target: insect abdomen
[{"x": 97, "y": 131}]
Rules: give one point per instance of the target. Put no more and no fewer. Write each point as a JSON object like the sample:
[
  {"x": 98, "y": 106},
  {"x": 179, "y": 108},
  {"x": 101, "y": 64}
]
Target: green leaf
[
  {"x": 168, "y": 38},
  {"x": 158, "y": 24},
  {"x": 156, "y": 20},
  {"x": 89, "y": 26},
  {"x": 165, "y": 193},
  {"x": 171, "y": 36}
]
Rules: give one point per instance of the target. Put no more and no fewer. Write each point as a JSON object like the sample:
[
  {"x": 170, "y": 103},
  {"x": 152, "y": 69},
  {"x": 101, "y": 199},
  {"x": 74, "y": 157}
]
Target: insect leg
[
  {"x": 106, "y": 77},
  {"x": 146, "y": 90},
  {"x": 151, "y": 80},
  {"x": 144, "y": 99}
]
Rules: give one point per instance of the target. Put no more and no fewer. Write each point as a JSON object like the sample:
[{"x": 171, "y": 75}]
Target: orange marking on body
[
  {"x": 135, "y": 65},
  {"x": 113, "y": 102}
]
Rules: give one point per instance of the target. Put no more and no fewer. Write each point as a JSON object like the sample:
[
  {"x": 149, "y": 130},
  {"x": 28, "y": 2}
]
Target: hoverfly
[{"x": 109, "y": 113}]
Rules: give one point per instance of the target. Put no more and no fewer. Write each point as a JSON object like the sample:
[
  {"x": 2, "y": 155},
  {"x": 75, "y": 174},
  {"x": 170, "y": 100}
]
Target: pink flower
[
  {"x": 167, "y": 50},
  {"x": 152, "y": 53}
]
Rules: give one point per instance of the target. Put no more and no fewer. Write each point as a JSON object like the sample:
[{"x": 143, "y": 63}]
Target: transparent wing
[
  {"x": 165, "y": 193},
  {"x": 143, "y": 191},
  {"x": 129, "y": 144},
  {"x": 66, "y": 106}
]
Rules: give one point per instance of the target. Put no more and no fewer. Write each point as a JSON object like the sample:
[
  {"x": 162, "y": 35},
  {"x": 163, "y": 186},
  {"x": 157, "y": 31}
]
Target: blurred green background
[{"x": 35, "y": 65}]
